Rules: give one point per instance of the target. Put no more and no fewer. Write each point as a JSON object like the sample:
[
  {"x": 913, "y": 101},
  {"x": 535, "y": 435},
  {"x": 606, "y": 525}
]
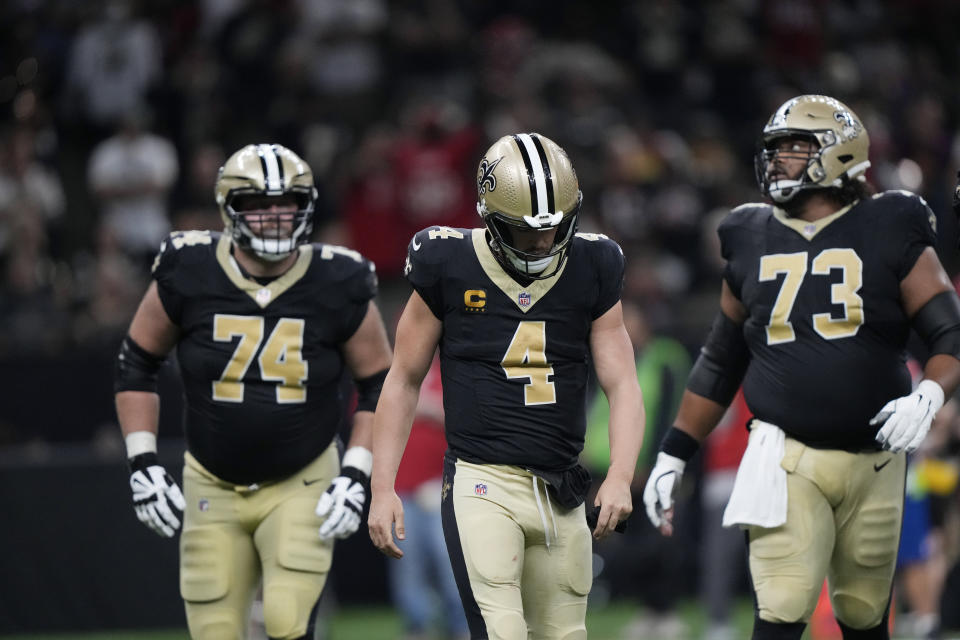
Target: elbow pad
[
  {"x": 136, "y": 368},
  {"x": 722, "y": 363},
  {"x": 938, "y": 324},
  {"x": 368, "y": 391}
]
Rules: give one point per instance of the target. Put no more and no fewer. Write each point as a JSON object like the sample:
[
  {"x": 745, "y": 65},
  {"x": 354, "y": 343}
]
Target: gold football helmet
[
  {"x": 841, "y": 146},
  {"x": 249, "y": 183},
  {"x": 525, "y": 183}
]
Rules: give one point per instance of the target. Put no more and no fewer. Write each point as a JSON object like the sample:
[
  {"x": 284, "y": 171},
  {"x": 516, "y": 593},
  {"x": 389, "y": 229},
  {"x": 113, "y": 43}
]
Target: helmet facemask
[
  {"x": 271, "y": 230},
  {"x": 783, "y": 188},
  {"x": 535, "y": 265}
]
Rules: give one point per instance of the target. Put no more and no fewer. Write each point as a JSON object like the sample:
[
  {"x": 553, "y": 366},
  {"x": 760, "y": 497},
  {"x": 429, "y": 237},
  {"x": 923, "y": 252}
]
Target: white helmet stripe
[
  {"x": 539, "y": 176},
  {"x": 272, "y": 171}
]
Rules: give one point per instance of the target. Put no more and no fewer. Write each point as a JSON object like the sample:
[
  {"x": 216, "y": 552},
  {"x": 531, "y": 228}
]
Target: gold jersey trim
[
  {"x": 808, "y": 230},
  {"x": 262, "y": 294},
  {"x": 510, "y": 287}
]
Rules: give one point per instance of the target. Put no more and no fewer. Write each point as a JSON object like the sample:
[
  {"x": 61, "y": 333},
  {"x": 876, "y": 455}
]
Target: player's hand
[
  {"x": 154, "y": 491},
  {"x": 386, "y": 514},
  {"x": 907, "y": 420},
  {"x": 662, "y": 485},
  {"x": 342, "y": 504},
  {"x": 616, "y": 505}
]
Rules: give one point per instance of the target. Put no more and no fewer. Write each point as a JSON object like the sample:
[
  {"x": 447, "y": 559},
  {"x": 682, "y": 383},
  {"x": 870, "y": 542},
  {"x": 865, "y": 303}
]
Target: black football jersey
[
  {"x": 826, "y": 329},
  {"x": 514, "y": 358},
  {"x": 260, "y": 363}
]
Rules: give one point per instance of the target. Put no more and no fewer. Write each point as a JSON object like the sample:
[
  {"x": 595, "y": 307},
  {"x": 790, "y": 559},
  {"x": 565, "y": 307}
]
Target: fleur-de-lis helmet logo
[{"x": 486, "y": 181}]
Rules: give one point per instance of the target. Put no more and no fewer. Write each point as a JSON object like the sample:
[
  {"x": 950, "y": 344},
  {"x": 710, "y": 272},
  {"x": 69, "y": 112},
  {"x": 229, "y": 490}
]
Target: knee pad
[
  {"x": 287, "y": 610},
  {"x": 764, "y": 630},
  {"x": 205, "y": 564},
  {"x": 786, "y": 600},
  {"x": 578, "y": 634},
  {"x": 508, "y": 626}
]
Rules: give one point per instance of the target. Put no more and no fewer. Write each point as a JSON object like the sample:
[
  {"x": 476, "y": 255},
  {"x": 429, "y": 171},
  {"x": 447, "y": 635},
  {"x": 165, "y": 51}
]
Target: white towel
[{"x": 760, "y": 491}]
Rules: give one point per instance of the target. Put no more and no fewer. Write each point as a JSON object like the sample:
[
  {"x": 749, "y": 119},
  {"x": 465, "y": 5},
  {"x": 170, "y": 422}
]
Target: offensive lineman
[
  {"x": 517, "y": 308},
  {"x": 819, "y": 294},
  {"x": 264, "y": 325}
]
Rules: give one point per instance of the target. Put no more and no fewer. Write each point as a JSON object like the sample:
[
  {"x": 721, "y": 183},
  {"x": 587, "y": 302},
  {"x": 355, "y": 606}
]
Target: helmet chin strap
[{"x": 785, "y": 190}]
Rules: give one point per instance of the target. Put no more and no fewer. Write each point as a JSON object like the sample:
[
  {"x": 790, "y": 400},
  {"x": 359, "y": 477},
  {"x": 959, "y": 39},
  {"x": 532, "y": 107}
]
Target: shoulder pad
[
  {"x": 429, "y": 250},
  {"x": 180, "y": 245},
  {"x": 435, "y": 244},
  {"x": 605, "y": 254},
  {"x": 904, "y": 206},
  {"x": 598, "y": 243},
  {"x": 348, "y": 266}
]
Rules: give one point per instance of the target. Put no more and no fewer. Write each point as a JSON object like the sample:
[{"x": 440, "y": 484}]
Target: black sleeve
[
  {"x": 360, "y": 288},
  {"x": 918, "y": 230},
  {"x": 423, "y": 271},
  {"x": 164, "y": 272},
  {"x": 610, "y": 271}
]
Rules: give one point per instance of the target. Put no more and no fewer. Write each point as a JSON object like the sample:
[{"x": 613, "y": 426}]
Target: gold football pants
[
  {"x": 523, "y": 564},
  {"x": 843, "y": 522},
  {"x": 234, "y": 536}
]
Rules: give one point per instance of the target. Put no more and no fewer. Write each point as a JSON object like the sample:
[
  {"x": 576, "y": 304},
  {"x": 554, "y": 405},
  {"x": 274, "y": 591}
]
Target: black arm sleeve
[
  {"x": 136, "y": 368},
  {"x": 722, "y": 363},
  {"x": 938, "y": 324},
  {"x": 368, "y": 390}
]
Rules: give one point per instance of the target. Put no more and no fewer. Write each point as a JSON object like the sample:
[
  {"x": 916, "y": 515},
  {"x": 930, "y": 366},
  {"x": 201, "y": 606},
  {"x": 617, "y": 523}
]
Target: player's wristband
[
  {"x": 140, "y": 442},
  {"x": 359, "y": 458},
  {"x": 679, "y": 444}
]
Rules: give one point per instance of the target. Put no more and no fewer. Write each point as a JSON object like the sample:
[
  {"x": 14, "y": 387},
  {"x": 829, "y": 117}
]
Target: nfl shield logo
[
  {"x": 480, "y": 489},
  {"x": 524, "y": 299},
  {"x": 204, "y": 504}
]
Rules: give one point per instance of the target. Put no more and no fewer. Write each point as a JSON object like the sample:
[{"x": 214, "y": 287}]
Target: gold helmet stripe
[
  {"x": 535, "y": 173},
  {"x": 272, "y": 168}
]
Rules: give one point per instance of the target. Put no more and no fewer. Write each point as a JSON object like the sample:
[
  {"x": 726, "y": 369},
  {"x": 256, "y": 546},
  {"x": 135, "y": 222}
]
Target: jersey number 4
[
  {"x": 281, "y": 359},
  {"x": 526, "y": 357},
  {"x": 794, "y": 268}
]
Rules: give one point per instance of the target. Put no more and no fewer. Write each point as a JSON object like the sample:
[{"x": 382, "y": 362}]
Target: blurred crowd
[{"x": 116, "y": 114}]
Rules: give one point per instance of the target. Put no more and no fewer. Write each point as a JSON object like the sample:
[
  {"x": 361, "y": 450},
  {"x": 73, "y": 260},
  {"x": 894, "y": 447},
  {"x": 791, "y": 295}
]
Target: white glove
[
  {"x": 662, "y": 484},
  {"x": 342, "y": 504},
  {"x": 153, "y": 492},
  {"x": 907, "y": 420}
]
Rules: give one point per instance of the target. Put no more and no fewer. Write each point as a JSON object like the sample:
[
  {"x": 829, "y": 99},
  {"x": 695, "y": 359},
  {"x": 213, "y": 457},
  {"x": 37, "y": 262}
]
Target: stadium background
[{"x": 658, "y": 103}]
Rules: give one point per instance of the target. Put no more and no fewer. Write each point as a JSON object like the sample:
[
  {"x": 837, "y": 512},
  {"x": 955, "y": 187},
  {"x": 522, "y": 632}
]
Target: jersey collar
[
  {"x": 260, "y": 293},
  {"x": 808, "y": 229},
  {"x": 523, "y": 296}
]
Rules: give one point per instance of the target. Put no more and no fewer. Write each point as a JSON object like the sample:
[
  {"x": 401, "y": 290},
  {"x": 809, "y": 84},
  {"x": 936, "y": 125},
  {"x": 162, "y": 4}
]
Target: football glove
[
  {"x": 342, "y": 504},
  {"x": 663, "y": 483},
  {"x": 154, "y": 491},
  {"x": 907, "y": 420}
]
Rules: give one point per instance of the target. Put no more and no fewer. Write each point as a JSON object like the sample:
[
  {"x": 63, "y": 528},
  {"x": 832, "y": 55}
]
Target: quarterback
[
  {"x": 518, "y": 309},
  {"x": 264, "y": 324},
  {"x": 820, "y": 291}
]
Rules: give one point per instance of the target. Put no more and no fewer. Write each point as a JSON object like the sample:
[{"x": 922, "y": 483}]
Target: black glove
[
  {"x": 154, "y": 490},
  {"x": 594, "y": 512}
]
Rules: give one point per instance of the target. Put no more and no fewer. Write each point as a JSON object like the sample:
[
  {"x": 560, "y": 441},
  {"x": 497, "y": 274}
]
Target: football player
[
  {"x": 518, "y": 309},
  {"x": 819, "y": 293},
  {"x": 264, "y": 324}
]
